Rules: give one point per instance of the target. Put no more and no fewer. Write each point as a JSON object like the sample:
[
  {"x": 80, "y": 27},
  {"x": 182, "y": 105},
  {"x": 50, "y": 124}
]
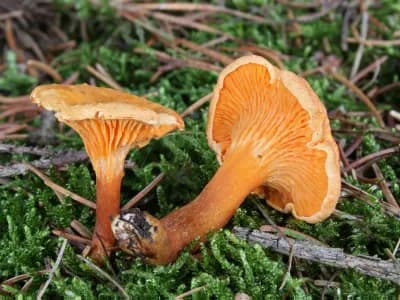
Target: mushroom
[
  {"x": 110, "y": 123},
  {"x": 271, "y": 135}
]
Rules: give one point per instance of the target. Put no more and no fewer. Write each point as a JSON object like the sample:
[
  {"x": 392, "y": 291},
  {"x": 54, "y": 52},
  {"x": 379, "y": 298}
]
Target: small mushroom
[
  {"x": 271, "y": 135},
  {"x": 110, "y": 123}
]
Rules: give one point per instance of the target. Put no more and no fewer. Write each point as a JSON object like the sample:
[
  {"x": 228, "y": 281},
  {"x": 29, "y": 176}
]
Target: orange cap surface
[
  {"x": 285, "y": 125},
  {"x": 107, "y": 120}
]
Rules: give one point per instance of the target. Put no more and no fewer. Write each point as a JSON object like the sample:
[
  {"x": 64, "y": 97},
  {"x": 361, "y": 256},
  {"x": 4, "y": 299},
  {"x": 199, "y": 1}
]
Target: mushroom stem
[
  {"x": 213, "y": 207},
  {"x": 109, "y": 173},
  {"x": 107, "y": 206}
]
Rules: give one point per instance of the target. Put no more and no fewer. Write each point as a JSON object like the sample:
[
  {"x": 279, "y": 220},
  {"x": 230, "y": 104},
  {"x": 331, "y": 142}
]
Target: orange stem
[
  {"x": 211, "y": 210},
  {"x": 108, "y": 189}
]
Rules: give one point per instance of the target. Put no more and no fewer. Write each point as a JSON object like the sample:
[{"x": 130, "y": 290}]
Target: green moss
[{"x": 13, "y": 82}]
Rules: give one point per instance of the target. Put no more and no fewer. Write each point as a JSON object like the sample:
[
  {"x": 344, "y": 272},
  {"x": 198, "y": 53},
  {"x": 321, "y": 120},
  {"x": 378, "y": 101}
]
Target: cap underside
[
  {"x": 109, "y": 122},
  {"x": 82, "y": 102},
  {"x": 255, "y": 104}
]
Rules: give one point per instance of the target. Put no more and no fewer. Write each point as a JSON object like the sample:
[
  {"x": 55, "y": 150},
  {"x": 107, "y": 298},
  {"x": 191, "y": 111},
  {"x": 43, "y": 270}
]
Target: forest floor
[{"x": 349, "y": 52}]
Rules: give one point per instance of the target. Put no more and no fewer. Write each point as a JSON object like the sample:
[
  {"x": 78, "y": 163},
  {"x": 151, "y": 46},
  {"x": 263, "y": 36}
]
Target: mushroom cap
[
  {"x": 107, "y": 120},
  {"x": 83, "y": 101},
  {"x": 280, "y": 117}
]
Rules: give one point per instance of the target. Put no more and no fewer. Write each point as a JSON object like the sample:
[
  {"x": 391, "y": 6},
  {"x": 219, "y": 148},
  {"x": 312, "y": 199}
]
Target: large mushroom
[
  {"x": 110, "y": 123},
  {"x": 271, "y": 135}
]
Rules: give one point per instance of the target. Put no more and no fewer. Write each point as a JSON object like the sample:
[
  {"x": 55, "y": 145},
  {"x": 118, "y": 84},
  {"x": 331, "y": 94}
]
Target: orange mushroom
[
  {"x": 110, "y": 123},
  {"x": 271, "y": 135}
]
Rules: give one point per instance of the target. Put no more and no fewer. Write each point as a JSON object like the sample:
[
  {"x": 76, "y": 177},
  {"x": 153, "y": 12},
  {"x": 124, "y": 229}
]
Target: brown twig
[
  {"x": 198, "y": 16},
  {"x": 384, "y": 187},
  {"x": 27, "y": 285},
  {"x": 15, "y": 100},
  {"x": 342, "y": 118},
  {"x": 105, "y": 77},
  {"x": 334, "y": 257},
  {"x": 191, "y": 292},
  {"x": 16, "y": 109},
  {"x": 62, "y": 46},
  {"x": 353, "y": 147},
  {"x": 20, "y": 277},
  {"x": 8, "y": 131},
  {"x": 373, "y": 157},
  {"x": 366, "y": 197},
  {"x": 196, "y": 105},
  {"x": 195, "y": 7},
  {"x": 197, "y": 64},
  {"x": 142, "y": 22},
  {"x": 294, "y": 27},
  {"x": 270, "y": 54},
  {"x": 294, "y": 4},
  {"x": 209, "y": 52},
  {"x": 187, "y": 23},
  {"x": 360, "y": 94},
  {"x": 374, "y": 43},
  {"x": 10, "y": 39},
  {"x": 387, "y": 88},
  {"x": 30, "y": 43},
  {"x": 81, "y": 229},
  {"x": 11, "y": 14},
  {"x": 11, "y": 148},
  {"x": 379, "y": 24},
  {"x": 57, "y": 188},
  {"x": 313, "y": 71},
  {"x": 13, "y": 137},
  {"x": 357, "y": 192},
  {"x": 342, "y": 155},
  {"x": 364, "y": 33},
  {"x": 371, "y": 67},
  {"x": 45, "y": 68},
  {"x": 319, "y": 14},
  {"x": 143, "y": 192},
  {"x": 215, "y": 41},
  {"x": 71, "y": 237},
  {"x": 393, "y": 137},
  {"x": 72, "y": 78},
  {"x": 166, "y": 68},
  {"x": 172, "y": 62}
]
